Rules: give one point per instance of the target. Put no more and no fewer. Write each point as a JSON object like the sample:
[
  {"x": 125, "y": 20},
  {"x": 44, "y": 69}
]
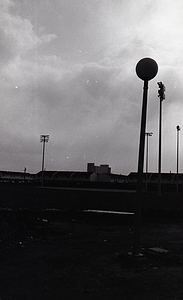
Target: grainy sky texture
[{"x": 67, "y": 69}]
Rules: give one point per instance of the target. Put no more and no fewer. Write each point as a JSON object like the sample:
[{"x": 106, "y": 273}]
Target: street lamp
[
  {"x": 178, "y": 129},
  {"x": 161, "y": 95},
  {"x": 146, "y": 70},
  {"x": 147, "y": 135},
  {"x": 43, "y": 139}
]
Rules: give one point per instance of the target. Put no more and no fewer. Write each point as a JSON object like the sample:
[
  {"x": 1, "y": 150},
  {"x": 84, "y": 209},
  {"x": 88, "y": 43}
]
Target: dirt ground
[{"x": 59, "y": 255}]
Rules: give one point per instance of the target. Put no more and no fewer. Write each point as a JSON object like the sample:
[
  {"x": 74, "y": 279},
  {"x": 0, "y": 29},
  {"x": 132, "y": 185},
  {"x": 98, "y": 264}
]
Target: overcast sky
[{"x": 68, "y": 70}]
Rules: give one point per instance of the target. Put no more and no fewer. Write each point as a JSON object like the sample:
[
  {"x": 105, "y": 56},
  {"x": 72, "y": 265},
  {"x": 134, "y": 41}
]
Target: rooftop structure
[{"x": 102, "y": 169}]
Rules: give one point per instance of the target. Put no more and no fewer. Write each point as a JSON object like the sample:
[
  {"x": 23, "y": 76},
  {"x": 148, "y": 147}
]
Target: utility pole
[
  {"x": 178, "y": 129},
  {"x": 43, "y": 139},
  {"x": 147, "y": 135},
  {"x": 161, "y": 95}
]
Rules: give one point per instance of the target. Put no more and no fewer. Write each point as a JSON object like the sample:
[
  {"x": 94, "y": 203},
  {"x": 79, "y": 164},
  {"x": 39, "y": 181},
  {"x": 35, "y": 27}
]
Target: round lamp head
[{"x": 146, "y": 68}]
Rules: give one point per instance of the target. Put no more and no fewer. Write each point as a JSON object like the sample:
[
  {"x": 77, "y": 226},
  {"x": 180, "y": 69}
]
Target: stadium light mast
[
  {"x": 147, "y": 146},
  {"x": 43, "y": 139},
  {"x": 178, "y": 129},
  {"x": 146, "y": 70},
  {"x": 161, "y": 95}
]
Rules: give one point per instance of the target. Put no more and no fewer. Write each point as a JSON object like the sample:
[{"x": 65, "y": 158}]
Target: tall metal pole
[
  {"x": 147, "y": 135},
  {"x": 177, "y": 183},
  {"x": 161, "y": 95},
  {"x": 159, "y": 161},
  {"x": 146, "y": 69},
  {"x": 137, "y": 216},
  {"x": 43, "y": 139},
  {"x": 147, "y": 146}
]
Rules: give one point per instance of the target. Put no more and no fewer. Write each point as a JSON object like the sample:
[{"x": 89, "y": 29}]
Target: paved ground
[{"x": 54, "y": 255}]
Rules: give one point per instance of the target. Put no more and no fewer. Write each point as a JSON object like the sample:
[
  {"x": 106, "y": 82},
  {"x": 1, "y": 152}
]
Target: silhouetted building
[
  {"x": 16, "y": 177},
  {"x": 65, "y": 176},
  {"x": 168, "y": 180},
  {"x": 102, "y": 169},
  {"x": 90, "y": 167}
]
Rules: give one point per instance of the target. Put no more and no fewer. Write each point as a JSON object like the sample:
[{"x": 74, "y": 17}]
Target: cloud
[
  {"x": 18, "y": 36},
  {"x": 6, "y": 4},
  {"x": 68, "y": 70}
]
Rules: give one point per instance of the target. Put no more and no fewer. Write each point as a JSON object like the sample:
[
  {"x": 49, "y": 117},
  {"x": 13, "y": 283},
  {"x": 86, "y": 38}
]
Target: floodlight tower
[
  {"x": 178, "y": 129},
  {"x": 43, "y": 139},
  {"x": 161, "y": 95},
  {"x": 147, "y": 146},
  {"x": 146, "y": 70}
]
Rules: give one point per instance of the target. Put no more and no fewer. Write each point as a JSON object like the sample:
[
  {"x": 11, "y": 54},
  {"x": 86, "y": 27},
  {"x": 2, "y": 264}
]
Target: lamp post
[
  {"x": 147, "y": 135},
  {"x": 43, "y": 139},
  {"x": 178, "y": 129},
  {"x": 161, "y": 95},
  {"x": 146, "y": 70}
]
